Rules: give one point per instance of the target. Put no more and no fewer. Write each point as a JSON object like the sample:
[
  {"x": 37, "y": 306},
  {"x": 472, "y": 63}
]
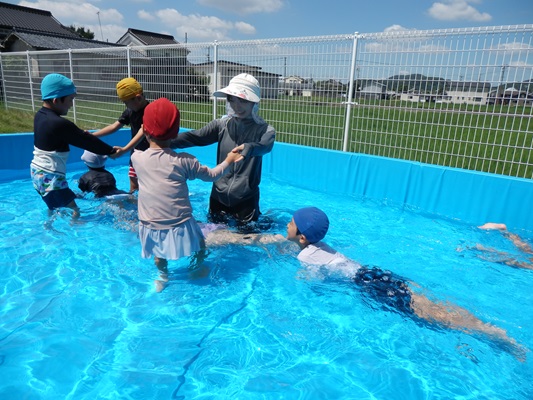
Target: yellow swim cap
[{"x": 128, "y": 88}]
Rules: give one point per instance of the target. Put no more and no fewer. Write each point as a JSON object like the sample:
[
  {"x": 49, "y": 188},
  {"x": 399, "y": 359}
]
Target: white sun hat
[
  {"x": 93, "y": 160},
  {"x": 244, "y": 86}
]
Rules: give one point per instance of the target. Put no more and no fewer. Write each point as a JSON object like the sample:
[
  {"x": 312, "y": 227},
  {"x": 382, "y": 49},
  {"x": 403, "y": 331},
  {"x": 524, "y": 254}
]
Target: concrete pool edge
[{"x": 469, "y": 196}]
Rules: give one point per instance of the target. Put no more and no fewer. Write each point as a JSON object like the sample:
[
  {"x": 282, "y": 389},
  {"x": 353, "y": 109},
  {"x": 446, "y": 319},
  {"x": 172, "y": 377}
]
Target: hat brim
[{"x": 237, "y": 93}]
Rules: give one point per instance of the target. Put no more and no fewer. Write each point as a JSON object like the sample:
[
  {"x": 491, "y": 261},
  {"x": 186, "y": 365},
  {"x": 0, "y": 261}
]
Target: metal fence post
[
  {"x": 215, "y": 77},
  {"x": 72, "y": 77},
  {"x": 30, "y": 80},
  {"x": 2, "y": 82},
  {"x": 349, "y": 101},
  {"x": 128, "y": 57}
]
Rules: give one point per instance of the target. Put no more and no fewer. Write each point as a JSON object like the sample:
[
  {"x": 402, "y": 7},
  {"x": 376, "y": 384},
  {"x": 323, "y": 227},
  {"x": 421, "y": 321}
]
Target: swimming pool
[{"x": 80, "y": 318}]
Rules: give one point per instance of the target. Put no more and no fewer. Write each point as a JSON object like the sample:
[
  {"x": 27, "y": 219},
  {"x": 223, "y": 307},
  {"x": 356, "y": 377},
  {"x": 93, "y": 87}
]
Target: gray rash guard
[{"x": 242, "y": 181}]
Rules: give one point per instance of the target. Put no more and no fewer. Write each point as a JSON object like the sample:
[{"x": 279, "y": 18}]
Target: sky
[{"x": 199, "y": 21}]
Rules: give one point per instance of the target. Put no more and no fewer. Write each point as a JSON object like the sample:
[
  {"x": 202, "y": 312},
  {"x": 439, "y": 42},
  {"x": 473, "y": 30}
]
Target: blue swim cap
[
  {"x": 55, "y": 86},
  {"x": 311, "y": 222}
]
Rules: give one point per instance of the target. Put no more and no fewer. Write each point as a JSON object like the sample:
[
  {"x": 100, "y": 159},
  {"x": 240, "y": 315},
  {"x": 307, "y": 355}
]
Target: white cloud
[
  {"x": 453, "y": 10},
  {"x": 245, "y": 28},
  {"x": 108, "y": 24},
  {"x": 145, "y": 15},
  {"x": 514, "y": 48},
  {"x": 395, "y": 28},
  {"x": 245, "y": 6},
  {"x": 80, "y": 11},
  {"x": 197, "y": 27},
  {"x": 520, "y": 64}
]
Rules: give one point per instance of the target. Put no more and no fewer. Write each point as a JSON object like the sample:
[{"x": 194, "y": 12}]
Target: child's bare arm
[
  {"x": 108, "y": 130},
  {"x": 233, "y": 157},
  {"x": 223, "y": 236},
  {"x": 134, "y": 141}
]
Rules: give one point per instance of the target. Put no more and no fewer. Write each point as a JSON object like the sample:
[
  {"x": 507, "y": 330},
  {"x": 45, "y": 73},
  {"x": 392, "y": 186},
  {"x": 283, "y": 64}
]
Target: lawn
[{"x": 491, "y": 138}]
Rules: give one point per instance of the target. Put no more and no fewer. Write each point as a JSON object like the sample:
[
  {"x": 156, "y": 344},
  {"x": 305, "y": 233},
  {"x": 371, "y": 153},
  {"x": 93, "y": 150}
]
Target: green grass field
[{"x": 491, "y": 138}]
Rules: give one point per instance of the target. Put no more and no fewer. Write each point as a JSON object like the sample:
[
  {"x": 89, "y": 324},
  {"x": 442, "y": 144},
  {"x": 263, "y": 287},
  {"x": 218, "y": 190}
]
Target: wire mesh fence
[{"x": 456, "y": 97}]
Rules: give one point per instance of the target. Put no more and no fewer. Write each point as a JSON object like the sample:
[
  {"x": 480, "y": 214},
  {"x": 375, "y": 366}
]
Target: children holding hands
[{"x": 167, "y": 228}]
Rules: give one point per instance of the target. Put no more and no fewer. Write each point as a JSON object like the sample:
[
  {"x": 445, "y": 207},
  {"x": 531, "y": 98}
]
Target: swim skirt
[
  {"x": 53, "y": 188},
  {"x": 385, "y": 288},
  {"x": 173, "y": 243}
]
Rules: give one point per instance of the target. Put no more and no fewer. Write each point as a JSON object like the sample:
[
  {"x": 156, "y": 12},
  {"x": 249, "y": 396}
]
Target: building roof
[
  {"x": 469, "y": 86},
  {"x": 228, "y": 63},
  {"x": 149, "y": 38},
  {"x": 26, "y": 18},
  {"x": 46, "y": 41}
]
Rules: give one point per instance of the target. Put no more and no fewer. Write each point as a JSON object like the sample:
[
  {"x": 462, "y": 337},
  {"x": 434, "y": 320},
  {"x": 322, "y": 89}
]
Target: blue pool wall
[{"x": 468, "y": 196}]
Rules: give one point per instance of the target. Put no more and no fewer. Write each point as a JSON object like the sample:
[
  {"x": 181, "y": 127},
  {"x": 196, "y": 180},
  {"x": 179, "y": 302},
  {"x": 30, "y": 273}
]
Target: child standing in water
[
  {"x": 167, "y": 228},
  {"x": 53, "y": 136}
]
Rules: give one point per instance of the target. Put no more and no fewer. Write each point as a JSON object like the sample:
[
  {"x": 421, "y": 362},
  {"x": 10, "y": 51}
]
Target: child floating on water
[{"x": 309, "y": 226}]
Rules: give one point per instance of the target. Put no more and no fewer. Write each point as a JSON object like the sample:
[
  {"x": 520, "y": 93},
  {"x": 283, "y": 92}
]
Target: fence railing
[{"x": 453, "y": 97}]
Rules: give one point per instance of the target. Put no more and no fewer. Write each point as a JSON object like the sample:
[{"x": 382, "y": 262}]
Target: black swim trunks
[{"x": 384, "y": 287}]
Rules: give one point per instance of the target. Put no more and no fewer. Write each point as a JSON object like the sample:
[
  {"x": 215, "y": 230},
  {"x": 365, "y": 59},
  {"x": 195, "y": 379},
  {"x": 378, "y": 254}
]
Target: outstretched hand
[
  {"x": 119, "y": 152},
  {"x": 493, "y": 226},
  {"x": 233, "y": 157},
  {"x": 238, "y": 150}
]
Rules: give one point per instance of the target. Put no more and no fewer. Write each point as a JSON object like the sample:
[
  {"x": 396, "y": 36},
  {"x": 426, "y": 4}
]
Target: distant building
[
  {"x": 468, "y": 92},
  {"x": 510, "y": 96},
  {"x": 297, "y": 86},
  {"x": 226, "y": 70},
  {"x": 26, "y": 28},
  {"x": 372, "y": 90},
  {"x": 163, "y": 69},
  {"x": 137, "y": 37}
]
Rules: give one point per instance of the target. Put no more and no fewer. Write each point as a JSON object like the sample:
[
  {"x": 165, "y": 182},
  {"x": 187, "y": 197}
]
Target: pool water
[{"x": 81, "y": 320}]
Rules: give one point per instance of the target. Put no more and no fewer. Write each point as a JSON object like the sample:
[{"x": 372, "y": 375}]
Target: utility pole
[
  {"x": 100, "y": 23},
  {"x": 503, "y": 73}
]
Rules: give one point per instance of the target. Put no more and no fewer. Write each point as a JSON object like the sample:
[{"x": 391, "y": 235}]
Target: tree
[{"x": 87, "y": 34}]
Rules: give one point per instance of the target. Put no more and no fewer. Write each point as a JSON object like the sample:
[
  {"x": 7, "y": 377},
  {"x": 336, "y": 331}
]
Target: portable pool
[{"x": 81, "y": 319}]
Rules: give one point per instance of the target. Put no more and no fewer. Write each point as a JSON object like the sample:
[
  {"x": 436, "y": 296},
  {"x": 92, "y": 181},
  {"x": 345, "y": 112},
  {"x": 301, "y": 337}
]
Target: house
[
  {"x": 468, "y": 92},
  {"x": 136, "y": 37},
  {"x": 226, "y": 70},
  {"x": 411, "y": 95},
  {"x": 17, "y": 18},
  {"x": 511, "y": 96},
  {"x": 28, "y": 29},
  {"x": 297, "y": 86},
  {"x": 372, "y": 90},
  {"x": 330, "y": 88},
  {"x": 164, "y": 67}
]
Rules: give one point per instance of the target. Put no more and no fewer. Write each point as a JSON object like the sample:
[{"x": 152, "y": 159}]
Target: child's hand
[
  {"x": 233, "y": 157},
  {"x": 119, "y": 152},
  {"x": 238, "y": 150},
  {"x": 492, "y": 226}
]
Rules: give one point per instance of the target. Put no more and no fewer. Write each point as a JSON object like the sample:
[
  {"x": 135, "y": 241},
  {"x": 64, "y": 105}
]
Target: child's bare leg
[
  {"x": 197, "y": 268},
  {"x": 75, "y": 209},
  {"x": 458, "y": 318},
  {"x": 134, "y": 184},
  {"x": 519, "y": 243},
  {"x": 162, "y": 266}
]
